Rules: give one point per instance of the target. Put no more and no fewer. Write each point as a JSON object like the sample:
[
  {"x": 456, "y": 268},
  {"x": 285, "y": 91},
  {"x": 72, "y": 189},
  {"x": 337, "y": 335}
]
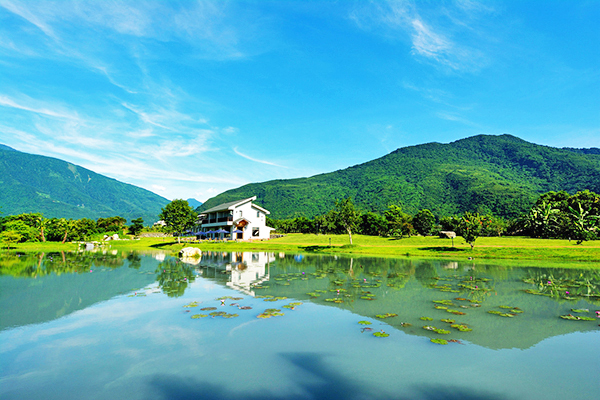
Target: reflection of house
[
  {"x": 248, "y": 269},
  {"x": 236, "y": 220}
]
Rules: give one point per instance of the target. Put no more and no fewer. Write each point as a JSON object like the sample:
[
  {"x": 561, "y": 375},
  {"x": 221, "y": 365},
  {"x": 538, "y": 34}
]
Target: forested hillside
[
  {"x": 38, "y": 184},
  {"x": 502, "y": 175}
]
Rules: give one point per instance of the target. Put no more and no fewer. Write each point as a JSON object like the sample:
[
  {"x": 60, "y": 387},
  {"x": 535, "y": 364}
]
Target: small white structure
[{"x": 237, "y": 220}]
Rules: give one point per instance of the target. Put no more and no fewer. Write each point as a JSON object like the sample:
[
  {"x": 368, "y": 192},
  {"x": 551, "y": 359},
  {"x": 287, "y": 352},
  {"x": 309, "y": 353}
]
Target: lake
[{"x": 110, "y": 325}]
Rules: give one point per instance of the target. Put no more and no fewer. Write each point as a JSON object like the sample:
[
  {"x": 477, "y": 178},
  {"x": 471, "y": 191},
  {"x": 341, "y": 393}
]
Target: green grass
[{"x": 514, "y": 249}]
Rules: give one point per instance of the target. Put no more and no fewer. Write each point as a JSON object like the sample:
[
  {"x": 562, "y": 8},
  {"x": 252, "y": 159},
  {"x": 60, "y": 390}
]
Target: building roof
[{"x": 232, "y": 204}]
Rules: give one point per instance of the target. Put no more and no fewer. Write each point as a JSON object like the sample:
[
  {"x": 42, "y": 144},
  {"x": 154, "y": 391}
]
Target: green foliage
[
  {"x": 424, "y": 222},
  {"x": 399, "y": 223},
  {"x": 497, "y": 175},
  {"x": 10, "y": 237},
  {"x": 346, "y": 215},
  {"x": 111, "y": 224},
  {"x": 373, "y": 224},
  {"x": 560, "y": 215},
  {"x": 136, "y": 226},
  {"x": 25, "y": 232},
  {"x": 470, "y": 228},
  {"x": 179, "y": 216}
]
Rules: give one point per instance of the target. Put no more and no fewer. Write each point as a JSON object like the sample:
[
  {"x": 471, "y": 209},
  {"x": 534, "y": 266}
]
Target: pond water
[{"x": 132, "y": 326}]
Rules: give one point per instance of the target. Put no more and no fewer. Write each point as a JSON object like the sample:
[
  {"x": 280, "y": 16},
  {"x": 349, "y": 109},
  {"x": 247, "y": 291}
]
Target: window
[
  {"x": 255, "y": 232},
  {"x": 257, "y": 214}
]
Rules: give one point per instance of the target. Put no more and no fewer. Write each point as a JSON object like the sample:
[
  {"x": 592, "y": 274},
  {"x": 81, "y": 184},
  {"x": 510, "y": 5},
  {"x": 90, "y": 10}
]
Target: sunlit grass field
[{"x": 515, "y": 249}]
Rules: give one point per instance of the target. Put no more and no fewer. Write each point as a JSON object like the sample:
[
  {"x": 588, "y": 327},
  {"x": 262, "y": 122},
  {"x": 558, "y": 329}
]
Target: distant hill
[
  {"x": 502, "y": 174},
  {"x": 33, "y": 183},
  {"x": 194, "y": 203}
]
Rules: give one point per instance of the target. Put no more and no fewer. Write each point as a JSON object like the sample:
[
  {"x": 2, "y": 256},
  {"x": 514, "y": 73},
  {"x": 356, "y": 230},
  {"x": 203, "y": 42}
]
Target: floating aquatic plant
[
  {"x": 196, "y": 316},
  {"x": 364, "y": 322},
  {"x": 192, "y": 304},
  {"x": 456, "y": 312},
  {"x": 461, "y": 327},
  {"x": 381, "y": 334},
  {"x": 577, "y": 318},
  {"x": 429, "y": 328},
  {"x": 580, "y": 310},
  {"x": 405, "y": 324},
  {"x": 208, "y": 308},
  {"x": 439, "y": 341},
  {"x": 441, "y": 331},
  {"x": 426, "y": 319},
  {"x": 386, "y": 315},
  {"x": 450, "y": 321}
]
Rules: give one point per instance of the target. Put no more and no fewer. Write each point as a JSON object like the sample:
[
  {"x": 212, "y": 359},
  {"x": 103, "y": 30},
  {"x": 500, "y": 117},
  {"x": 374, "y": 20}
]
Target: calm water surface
[{"x": 120, "y": 326}]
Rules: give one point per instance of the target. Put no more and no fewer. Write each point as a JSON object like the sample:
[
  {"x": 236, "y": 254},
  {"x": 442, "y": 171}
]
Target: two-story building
[{"x": 241, "y": 220}]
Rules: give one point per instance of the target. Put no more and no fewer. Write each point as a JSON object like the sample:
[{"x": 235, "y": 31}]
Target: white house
[{"x": 239, "y": 219}]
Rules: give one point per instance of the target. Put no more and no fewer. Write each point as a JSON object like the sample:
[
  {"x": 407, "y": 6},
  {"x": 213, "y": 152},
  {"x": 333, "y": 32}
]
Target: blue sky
[{"x": 188, "y": 99}]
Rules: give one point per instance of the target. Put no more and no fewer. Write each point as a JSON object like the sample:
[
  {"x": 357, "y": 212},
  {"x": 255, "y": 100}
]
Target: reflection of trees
[
  {"x": 425, "y": 272},
  {"x": 33, "y": 265},
  {"x": 173, "y": 277},
  {"x": 565, "y": 284},
  {"x": 135, "y": 261}
]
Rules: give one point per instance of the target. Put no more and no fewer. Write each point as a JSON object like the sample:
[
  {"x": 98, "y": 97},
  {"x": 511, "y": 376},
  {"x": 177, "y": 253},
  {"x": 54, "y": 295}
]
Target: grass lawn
[{"x": 516, "y": 249}]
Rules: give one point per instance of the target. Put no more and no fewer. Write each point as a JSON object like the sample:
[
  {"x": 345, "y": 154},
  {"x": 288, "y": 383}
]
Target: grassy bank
[
  {"x": 503, "y": 248},
  {"x": 514, "y": 248}
]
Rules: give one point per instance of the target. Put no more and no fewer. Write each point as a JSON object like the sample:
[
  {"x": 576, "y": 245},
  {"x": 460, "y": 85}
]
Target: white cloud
[
  {"x": 6, "y": 101},
  {"x": 236, "y": 151},
  {"x": 431, "y": 39}
]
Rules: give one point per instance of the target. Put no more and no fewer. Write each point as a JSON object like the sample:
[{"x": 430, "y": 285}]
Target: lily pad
[
  {"x": 196, "y": 316},
  {"x": 426, "y": 319},
  {"x": 405, "y": 324},
  {"x": 381, "y": 334},
  {"x": 439, "y": 341},
  {"x": 192, "y": 304},
  {"x": 429, "y": 328},
  {"x": 461, "y": 327},
  {"x": 577, "y": 318},
  {"x": 450, "y": 321},
  {"x": 208, "y": 308},
  {"x": 364, "y": 322},
  {"x": 441, "y": 331},
  {"x": 579, "y": 310},
  {"x": 387, "y": 315}
]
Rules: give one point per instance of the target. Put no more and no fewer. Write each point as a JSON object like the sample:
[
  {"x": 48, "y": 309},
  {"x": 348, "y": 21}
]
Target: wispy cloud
[
  {"x": 247, "y": 157},
  {"x": 34, "y": 106},
  {"x": 431, "y": 39}
]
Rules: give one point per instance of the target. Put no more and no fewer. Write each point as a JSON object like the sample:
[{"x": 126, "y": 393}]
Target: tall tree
[
  {"x": 347, "y": 215},
  {"x": 471, "y": 225},
  {"x": 424, "y": 222},
  {"x": 136, "y": 226},
  {"x": 179, "y": 216},
  {"x": 399, "y": 223}
]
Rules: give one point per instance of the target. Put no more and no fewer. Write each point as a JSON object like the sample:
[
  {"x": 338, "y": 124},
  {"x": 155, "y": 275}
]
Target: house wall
[{"x": 257, "y": 220}]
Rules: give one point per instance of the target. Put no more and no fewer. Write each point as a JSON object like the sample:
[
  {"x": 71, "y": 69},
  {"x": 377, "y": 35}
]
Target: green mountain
[
  {"x": 502, "y": 174},
  {"x": 33, "y": 183}
]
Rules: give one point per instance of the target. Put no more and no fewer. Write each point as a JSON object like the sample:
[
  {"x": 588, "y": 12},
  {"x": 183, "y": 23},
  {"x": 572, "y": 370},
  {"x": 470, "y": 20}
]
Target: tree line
[
  {"x": 557, "y": 215},
  {"x": 33, "y": 227}
]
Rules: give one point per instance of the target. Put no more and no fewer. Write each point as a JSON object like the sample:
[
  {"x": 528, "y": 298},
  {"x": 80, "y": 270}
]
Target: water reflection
[{"x": 43, "y": 286}]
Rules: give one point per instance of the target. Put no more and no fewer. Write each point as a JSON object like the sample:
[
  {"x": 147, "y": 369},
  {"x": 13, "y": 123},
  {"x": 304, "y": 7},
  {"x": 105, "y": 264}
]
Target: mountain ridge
[
  {"x": 57, "y": 188},
  {"x": 499, "y": 174}
]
